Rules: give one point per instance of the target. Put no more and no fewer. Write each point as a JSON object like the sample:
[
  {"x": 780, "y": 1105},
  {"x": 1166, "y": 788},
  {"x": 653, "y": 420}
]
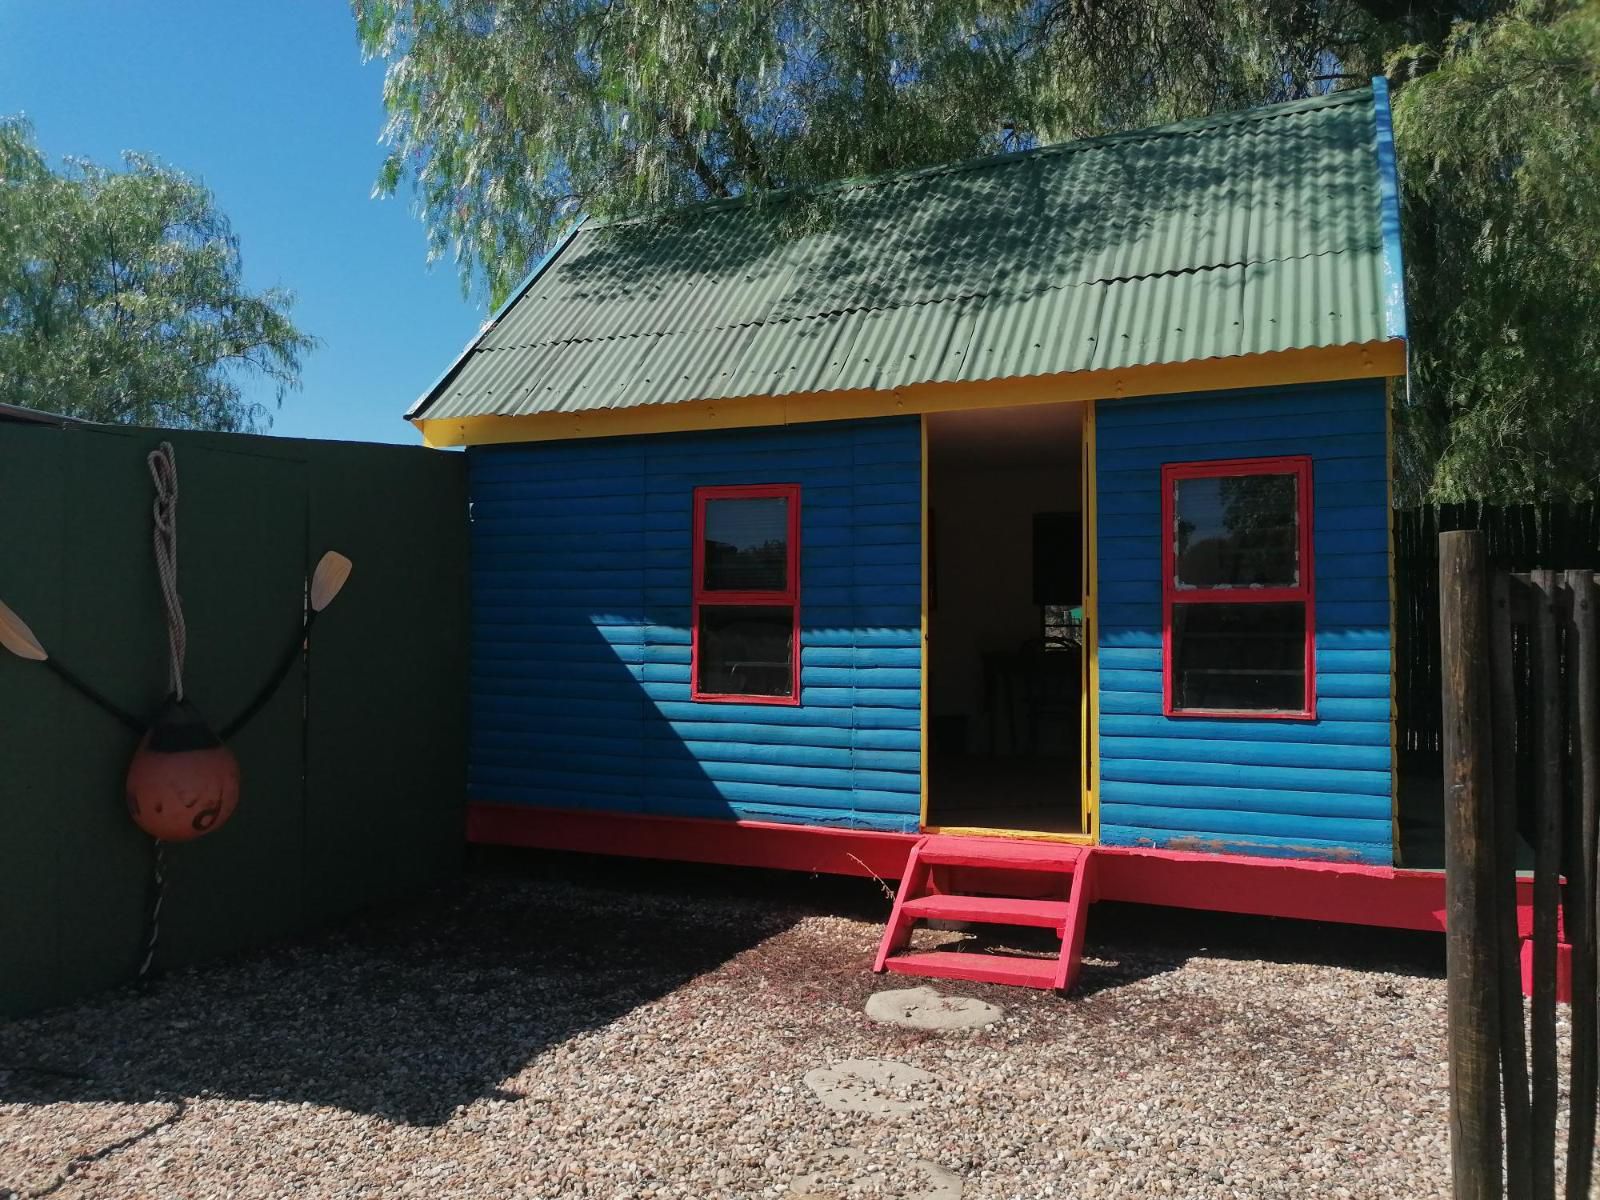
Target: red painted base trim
[
  {"x": 1307, "y": 889},
  {"x": 1563, "y": 970},
  {"x": 814, "y": 849},
  {"x": 1304, "y": 889}
]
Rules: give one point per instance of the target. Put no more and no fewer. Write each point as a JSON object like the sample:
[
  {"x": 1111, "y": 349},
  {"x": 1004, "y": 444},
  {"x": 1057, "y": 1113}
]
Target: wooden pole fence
[
  {"x": 1469, "y": 848},
  {"x": 1547, "y": 706},
  {"x": 1508, "y": 941},
  {"x": 1520, "y": 732},
  {"x": 1579, "y": 894}
]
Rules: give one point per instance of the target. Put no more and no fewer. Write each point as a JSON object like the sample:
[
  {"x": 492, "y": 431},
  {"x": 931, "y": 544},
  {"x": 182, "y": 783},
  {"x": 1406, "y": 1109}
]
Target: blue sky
[{"x": 270, "y": 105}]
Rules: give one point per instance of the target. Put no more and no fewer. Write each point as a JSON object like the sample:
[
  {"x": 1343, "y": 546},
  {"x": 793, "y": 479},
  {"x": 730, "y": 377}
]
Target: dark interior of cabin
[{"x": 1005, "y": 618}]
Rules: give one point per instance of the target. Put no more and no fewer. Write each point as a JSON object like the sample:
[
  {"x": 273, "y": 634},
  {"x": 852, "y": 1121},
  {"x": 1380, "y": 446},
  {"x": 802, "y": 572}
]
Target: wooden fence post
[
  {"x": 1547, "y": 756},
  {"x": 1470, "y": 928},
  {"x": 1579, "y": 896},
  {"x": 1513, "y": 1033}
]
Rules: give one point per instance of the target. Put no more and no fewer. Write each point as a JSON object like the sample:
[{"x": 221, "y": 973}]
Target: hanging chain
[
  {"x": 158, "y": 887},
  {"x": 164, "y": 472}
]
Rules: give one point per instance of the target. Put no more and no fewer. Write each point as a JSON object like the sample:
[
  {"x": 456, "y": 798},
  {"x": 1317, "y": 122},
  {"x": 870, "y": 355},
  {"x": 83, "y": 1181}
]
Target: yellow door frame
[
  {"x": 1089, "y": 747},
  {"x": 1389, "y": 397},
  {"x": 1089, "y": 773},
  {"x": 922, "y": 657}
]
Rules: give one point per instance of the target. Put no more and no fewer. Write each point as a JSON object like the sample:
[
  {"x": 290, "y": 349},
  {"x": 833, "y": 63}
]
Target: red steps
[
  {"x": 941, "y": 872},
  {"x": 991, "y": 910},
  {"x": 985, "y": 968},
  {"x": 945, "y": 850}
]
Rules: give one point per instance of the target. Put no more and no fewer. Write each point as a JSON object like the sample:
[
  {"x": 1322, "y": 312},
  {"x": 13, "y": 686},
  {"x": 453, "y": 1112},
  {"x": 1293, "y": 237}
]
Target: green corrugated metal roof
[{"x": 1231, "y": 235}]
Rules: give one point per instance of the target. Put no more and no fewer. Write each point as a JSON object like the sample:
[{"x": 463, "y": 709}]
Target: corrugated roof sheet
[{"x": 1232, "y": 235}]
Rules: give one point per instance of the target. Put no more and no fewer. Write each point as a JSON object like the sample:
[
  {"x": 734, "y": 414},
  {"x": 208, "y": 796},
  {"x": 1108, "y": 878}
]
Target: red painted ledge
[
  {"x": 815, "y": 849},
  {"x": 1304, "y": 889},
  {"x": 1563, "y": 970}
]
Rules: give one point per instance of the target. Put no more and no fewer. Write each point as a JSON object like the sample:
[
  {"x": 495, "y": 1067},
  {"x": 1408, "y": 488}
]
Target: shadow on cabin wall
[{"x": 581, "y": 577}]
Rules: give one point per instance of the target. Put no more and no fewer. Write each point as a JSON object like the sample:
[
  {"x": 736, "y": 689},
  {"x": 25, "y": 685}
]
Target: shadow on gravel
[
  {"x": 1134, "y": 941},
  {"x": 411, "y": 1014},
  {"x": 1126, "y": 943}
]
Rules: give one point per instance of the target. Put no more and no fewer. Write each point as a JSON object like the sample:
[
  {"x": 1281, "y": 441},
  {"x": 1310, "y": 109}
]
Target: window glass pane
[
  {"x": 1237, "y": 531},
  {"x": 1240, "y": 657},
  {"x": 747, "y": 545},
  {"x": 1063, "y": 626},
  {"x": 746, "y": 651}
]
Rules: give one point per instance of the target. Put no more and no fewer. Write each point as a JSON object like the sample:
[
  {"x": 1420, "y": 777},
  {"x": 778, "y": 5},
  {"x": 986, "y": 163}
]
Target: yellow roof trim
[{"x": 1325, "y": 364}]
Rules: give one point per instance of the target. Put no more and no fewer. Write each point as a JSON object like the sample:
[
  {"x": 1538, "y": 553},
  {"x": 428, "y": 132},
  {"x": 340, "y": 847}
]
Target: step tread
[
  {"x": 999, "y": 853},
  {"x": 981, "y": 968},
  {"x": 994, "y": 910}
]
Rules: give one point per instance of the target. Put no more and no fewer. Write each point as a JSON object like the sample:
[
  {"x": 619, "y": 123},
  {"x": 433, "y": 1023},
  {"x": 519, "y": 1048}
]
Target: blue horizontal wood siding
[
  {"x": 580, "y": 644},
  {"x": 1317, "y": 789}
]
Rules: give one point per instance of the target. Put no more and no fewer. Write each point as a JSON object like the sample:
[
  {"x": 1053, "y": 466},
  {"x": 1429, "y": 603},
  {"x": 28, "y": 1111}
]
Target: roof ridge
[{"x": 1186, "y": 128}]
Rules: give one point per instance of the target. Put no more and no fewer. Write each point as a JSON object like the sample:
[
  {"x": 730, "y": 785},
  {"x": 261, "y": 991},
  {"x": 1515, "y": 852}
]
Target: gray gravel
[{"x": 621, "y": 1031}]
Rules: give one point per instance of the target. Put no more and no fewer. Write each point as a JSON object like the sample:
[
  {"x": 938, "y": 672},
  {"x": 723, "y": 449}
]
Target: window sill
[
  {"x": 1236, "y": 714},
  {"x": 789, "y": 701}
]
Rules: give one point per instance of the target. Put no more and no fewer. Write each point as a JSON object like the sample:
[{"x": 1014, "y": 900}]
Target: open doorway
[{"x": 1005, "y": 619}]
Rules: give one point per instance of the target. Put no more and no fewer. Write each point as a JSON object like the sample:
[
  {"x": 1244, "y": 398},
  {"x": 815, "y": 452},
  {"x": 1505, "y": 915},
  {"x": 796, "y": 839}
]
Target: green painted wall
[{"x": 354, "y": 774}]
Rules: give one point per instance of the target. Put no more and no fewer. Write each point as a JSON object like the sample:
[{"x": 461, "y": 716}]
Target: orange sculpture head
[{"x": 182, "y": 782}]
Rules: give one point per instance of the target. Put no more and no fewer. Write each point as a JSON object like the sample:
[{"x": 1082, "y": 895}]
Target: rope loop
[{"x": 164, "y": 473}]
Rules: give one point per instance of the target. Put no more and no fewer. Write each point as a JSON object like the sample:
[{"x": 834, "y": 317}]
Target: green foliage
[
  {"x": 121, "y": 298},
  {"x": 509, "y": 118},
  {"x": 1500, "y": 153}
]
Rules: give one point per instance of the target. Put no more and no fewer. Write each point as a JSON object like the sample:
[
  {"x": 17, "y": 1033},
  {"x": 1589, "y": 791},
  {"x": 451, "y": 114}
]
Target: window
[
  {"x": 1238, "y": 617},
  {"x": 1058, "y": 578},
  {"x": 1061, "y": 627},
  {"x": 745, "y": 641}
]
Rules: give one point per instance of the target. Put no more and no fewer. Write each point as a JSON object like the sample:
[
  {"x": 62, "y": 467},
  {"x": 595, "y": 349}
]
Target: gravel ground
[{"x": 555, "y": 1028}]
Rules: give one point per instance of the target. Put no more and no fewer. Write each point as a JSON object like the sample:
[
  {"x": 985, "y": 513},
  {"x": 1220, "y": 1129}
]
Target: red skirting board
[
  {"x": 1309, "y": 889},
  {"x": 1306, "y": 889},
  {"x": 815, "y": 849}
]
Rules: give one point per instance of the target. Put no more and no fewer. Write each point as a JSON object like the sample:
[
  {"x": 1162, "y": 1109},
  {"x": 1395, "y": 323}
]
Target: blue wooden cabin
[{"x": 1044, "y": 497}]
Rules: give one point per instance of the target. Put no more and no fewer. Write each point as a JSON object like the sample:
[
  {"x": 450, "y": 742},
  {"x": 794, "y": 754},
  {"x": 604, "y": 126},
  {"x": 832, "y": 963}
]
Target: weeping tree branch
[
  {"x": 743, "y": 148},
  {"x": 683, "y": 141}
]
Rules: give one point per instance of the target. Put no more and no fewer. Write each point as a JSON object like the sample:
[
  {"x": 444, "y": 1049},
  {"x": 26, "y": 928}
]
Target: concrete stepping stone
[
  {"x": 875, "y": 1086},
  {"x": 844, "y": 1173},
  {"x": 924, "y": 1008}
]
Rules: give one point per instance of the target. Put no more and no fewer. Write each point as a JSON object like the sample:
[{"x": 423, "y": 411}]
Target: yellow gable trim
[{"x": 1323, "y": 365}]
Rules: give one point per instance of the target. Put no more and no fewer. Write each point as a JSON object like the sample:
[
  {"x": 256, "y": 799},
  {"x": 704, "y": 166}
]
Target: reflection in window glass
[
  {"x": 746, "y": 651},
  {"x": 1236, "y": 531},
  {"x": 1063, "y": 626},
  {"x": 1239, "y": 657},
  {"x": 747, "y": 545}
]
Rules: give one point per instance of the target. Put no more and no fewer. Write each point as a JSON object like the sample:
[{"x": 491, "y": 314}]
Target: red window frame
[
  {"x": 789, "y": 597},
  {"x": 1302, "y": 592}
]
